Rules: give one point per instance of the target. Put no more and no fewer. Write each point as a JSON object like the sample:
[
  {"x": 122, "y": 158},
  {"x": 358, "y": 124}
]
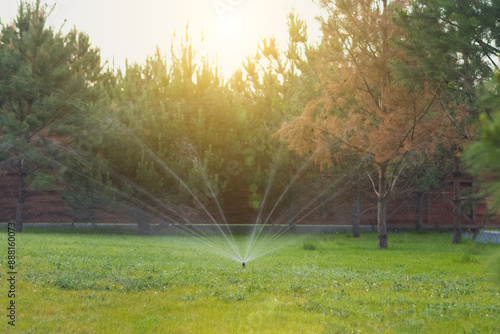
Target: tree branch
[{"x": 373, "y": 184}]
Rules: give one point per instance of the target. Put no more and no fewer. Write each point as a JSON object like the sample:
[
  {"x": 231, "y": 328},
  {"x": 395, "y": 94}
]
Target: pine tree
[
  {"x": 452, "y": 48},
  {"x": 47, "y": 88},
  {"x": 363, "y": 111}
]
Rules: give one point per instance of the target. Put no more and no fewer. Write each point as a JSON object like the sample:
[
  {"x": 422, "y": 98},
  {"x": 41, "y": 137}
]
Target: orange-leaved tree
[{"x": 362, "y": 109}]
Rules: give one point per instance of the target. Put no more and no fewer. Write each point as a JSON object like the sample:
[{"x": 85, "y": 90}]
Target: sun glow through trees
[{"x": 228, "y": 30}]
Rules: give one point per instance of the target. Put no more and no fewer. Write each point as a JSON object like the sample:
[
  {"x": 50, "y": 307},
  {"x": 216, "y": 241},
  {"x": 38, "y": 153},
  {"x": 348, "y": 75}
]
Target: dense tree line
[{"x": 392, "y": 88}]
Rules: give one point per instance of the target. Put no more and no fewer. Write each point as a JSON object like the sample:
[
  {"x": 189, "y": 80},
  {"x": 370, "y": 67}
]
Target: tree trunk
[
  {"x": 457, "y": 207},
  {"x": 143, "y": 220},
  {"x": 382, "y": 168},
  {"x": 21, "y": 199},
  {"x": 355, "y": 217},
  {"x": 418, "y": 209},
  {"x": 486, "y": 219},
  {"x": 382, "y": 206}
]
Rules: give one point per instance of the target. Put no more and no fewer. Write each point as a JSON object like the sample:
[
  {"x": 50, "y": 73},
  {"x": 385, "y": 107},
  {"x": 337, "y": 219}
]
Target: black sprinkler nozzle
[{"x": 243, "y": 264}]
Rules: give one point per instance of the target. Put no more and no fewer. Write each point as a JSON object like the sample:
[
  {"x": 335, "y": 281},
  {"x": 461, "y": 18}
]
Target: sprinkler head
[{"x": 243, "y": 264}]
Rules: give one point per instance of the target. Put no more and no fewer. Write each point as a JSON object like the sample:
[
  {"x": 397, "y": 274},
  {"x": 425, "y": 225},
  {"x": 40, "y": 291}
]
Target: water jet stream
[{"x": 256, "y": 246}]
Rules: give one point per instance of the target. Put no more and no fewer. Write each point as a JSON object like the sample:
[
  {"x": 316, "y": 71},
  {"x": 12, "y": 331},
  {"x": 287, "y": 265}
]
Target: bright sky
[{"x": 131, "y": 29}]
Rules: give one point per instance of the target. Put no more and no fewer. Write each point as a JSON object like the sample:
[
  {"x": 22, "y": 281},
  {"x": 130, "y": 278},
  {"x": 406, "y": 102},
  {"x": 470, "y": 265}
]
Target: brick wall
[{"x": 436, "y": 209}]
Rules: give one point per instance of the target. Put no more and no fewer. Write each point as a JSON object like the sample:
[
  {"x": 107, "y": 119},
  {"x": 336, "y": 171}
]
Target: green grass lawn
[{"x": 329, "y": 283}]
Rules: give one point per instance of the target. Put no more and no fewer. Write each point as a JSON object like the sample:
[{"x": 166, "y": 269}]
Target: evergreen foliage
[
  {"x": 452, "y": 48},
  {"x": 483, "y": 156},
  {"x": 48, "y": 88}
]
